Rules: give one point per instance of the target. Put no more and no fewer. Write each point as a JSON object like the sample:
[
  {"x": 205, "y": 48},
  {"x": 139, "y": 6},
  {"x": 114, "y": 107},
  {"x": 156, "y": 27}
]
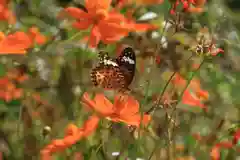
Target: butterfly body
[{"x": 114, "y": 73}]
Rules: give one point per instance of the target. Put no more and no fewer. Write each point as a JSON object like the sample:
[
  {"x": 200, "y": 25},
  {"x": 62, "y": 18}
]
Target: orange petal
[
  {"x": 178, "y": 80},
  {"x": 12, "y": 51},
  {"x": 76, "y": 13},
  {"x": 195, "y": 10},
  {"x": 188, "y": 99},
  {"x": 236, "y": 137},
  {"x": 87, "y": 101},
  {"x": 215, "y": 153},
  {"x": 90, "y": 125},
  {"x": 82, "y": 24},
  {"x": 130, "y": 106},
  {"x": 203, "y": 94},
  {"x": 71, "y": 130},
  {"x": 143, "y": 27},
  {"x": 57, "y": 145},
  {"x": 99, "y": 104},
  {"x": 110, "y": 40},
  {"x": 103, "y": 105},
  {"x": 73, "y": 135},
  {"x": 37, "y": 36},
  {"x": 45, "y": 155},
  {"x": 2, "y": 94},
  {"x": 16, "y": 43},
  {"x": 18, "y": 40},
  {"x": 70, "y": 140},
  {"x": 4, "y": 81},
  {"x": 115, "y": 17},
  {"x": 112, "y": 29},
  {"x": 2, "y": 36},
  {"x": 17, "y": 93},
  {"x": 40, "y": 39},
  {"x": 94, "y": 5},
  {"x": 95, "y": 37}
]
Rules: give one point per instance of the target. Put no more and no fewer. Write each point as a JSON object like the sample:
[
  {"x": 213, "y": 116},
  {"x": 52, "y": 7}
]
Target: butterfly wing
[
  {"x": 127, "y": 64},
  {"x": 109, "y": 77},
  {"x": 107, "y": 74}
]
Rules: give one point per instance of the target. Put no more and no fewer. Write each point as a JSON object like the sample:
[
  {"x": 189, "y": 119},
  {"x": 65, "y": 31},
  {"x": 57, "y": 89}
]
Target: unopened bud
[{"x": 46, "y": 130}]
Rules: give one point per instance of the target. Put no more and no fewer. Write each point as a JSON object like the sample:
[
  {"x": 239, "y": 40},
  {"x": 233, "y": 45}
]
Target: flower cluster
[
  {"x": 107, "y": 22},
  {"x": 124, "y": 109},
  {"x": 193, "y": 95},
  {"x": 72, "y": 135},
  {"x": 106, "y": 25},
  {"x": 218, "y": 146},
  {"x": 5, "y": 13},
  {"x": 8, "y": 89},
  {"x": 198, "y": 5},
  {"x": 19, "y": 42}
]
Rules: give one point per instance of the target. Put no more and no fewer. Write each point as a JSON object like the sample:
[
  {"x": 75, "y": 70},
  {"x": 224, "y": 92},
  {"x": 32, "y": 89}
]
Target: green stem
[
  {"x": 189, "y": 81},
  {"x": 151, "y": 110}
]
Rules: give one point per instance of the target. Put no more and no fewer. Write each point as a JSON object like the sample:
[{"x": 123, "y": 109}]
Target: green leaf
[
  {"x": 2, "y": 70},
  {"x": 190, "y": 141},
  {"x": 2, "y": 102},
  {"x": 13, "y": 103}
]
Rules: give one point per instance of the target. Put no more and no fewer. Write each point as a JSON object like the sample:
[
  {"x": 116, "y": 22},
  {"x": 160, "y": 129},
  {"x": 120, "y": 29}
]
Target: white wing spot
[
  {"x": 109, "y": 62},
  {"x": 129, "y": 60}
]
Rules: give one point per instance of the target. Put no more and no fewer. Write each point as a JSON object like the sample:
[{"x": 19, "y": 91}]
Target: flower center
[{"x": 101, "y": 15}]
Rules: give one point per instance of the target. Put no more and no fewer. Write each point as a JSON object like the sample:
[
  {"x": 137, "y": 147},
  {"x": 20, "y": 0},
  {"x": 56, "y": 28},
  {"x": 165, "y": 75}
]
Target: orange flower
[
  {"x": 187, "y": 5},
  {"x": 194, "y": 85},
  {"x": 193, "y": 95},
  {"x": 17, "y": 74},
  {"x": 8, "y": 90},
  {"x": 107, "y": 26},
  {"x": 16, "y": 43},
  {"x": 36, "y": 36},
  {"x": 19, "y": 42},
  {"x": 72, "y": 135},
  {"x": 236, "y": 137},
  {"x": 5, "y": 13},
  {"x": 198, "y": 6},
  {"x": 190, "y": 99},
  {"x": 124, "y": 109},
  {"x": 215, "y": 151}
]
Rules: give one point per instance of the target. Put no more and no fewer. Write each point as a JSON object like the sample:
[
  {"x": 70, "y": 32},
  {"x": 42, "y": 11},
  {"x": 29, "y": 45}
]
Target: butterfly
[{"x": 115, "y": 73}]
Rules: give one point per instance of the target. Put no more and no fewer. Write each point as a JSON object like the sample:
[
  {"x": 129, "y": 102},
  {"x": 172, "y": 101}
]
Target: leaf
[
  {"x": 2, "y": 70},
  {"x": 190, "y": 141},
  {"x": 13, "y": 103}
]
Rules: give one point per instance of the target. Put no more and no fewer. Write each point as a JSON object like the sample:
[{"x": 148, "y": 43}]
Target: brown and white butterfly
[{"x": 115, "y": 73}]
